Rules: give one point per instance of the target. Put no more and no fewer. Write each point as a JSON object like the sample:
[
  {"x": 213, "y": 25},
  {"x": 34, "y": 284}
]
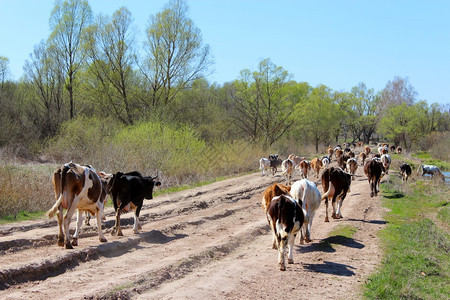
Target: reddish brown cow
[
  {"x": 336, "y": 183},
  {"x": 338, "y": 153},
  {"x": 316, "y": 165},
  {"x": 76, "y": 188},
  {"x": 330, "y": 152},
  {"x": 276, "y": 189},
  {"x": 367, "y": 150},
  {"x": 374, "y": 171},
  {"x": 304, "y": 167},
  {"x": 363, "y": 157},
  {"x": 352, "y": 166}
]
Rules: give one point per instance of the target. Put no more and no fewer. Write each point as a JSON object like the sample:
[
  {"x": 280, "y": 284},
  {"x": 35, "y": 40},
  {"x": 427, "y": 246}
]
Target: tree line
[{"x": 91, "y": 66}]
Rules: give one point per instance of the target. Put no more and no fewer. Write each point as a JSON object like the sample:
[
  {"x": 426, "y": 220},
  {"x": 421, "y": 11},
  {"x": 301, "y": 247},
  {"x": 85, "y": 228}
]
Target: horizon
[{"x": 335, "y": 44}]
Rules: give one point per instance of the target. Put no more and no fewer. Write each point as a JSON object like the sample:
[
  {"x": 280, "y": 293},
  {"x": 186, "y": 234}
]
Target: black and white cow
[
  {"x": 405, "y": 170},
  {"x": 286, "y": 218},
  {"x": 128, "y": 192}
]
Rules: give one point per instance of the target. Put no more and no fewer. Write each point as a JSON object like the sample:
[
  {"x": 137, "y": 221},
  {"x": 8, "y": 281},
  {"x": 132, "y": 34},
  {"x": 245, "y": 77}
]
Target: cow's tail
[
  {"x": 324, "y": 196},
  {"x": 51, "y": 212}
]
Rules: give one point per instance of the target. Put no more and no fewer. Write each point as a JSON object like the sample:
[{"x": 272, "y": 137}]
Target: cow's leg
[
  {"x": 136, "y": 221},
  {"x": 281, "y": 250},
  {"x": 66, "y": 223},
  {"x": 308, "y": 229},
  {"x": 99, "y": 215},
  {"x": 87, "y": 219},
  {"x": 326, "y": 210},
  {"x": 59, "y": 215},
  {"x": 117, "y": 230},
  {"x": 291, "y": 239},
  {"x": 339, "y": 206},
  {"x": 333, "y": 204},
  {"x": 80, "y": 218}
]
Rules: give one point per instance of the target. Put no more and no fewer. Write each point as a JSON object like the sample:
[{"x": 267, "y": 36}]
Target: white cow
[
  {"x": 264, "y": 165},
  {"x": 326, "y": 162},
  {"x": 307, "y": 192},
  {"x": 430, "y": 169}
]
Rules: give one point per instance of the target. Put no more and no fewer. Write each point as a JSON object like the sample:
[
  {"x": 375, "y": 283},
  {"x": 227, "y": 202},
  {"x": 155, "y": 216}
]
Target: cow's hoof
[
  {"x": 290, "y": 261},
  {"x": 103, "y": 240},
  {"x": 75, "y": 242},
  {"x": 308, "y": 240},
  {"x": 334, "y": 216},
  {"x": 282, "y": 267},
  {"x": 119, "y": 233},
  {"x": 69, "y": 246},
  {"x": 61, "y": 243},
  {"x": 327, "y": 220},
  {"x": 139, "y": 227},
  {"x": 135, "y": 231},
  {"x": 113, "y": 232}
]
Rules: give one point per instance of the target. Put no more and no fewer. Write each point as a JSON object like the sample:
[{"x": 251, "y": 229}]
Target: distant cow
[
  {"x": 363, "y": 157},
  {"x": 399, "y": 150},
  {"x": 264, "y": 165},
  {"x": 405, "y": 170},
  {"x": 128, "y": 192},
  {"x": 316, "y": 165},
  {"x": 336, "y": 183},
  {"x": 352, "y": 166},
  {"x": 330, "y": 152},
  {"x": 386, "y": 160},
  {"x": 325, "y": 161},
  {"x": 287, "y": 168},
  {"x": 338, "y": 153},
  {"x": 304, "y": 167},
  {"x": 431, "y": 170},
  {"x": 78, "y": 188},
  {"x": 297, "y": 160},
  {"x": 383, "y": 150},
  {"x": 374, "y": 171},
  {"x": 307, "y": 192},
  {"x": 274, "y": 163},
  {"x": 286, "y": 218},
  {"x": 342, "y": 162},
  {"x": 367, "y": 150}
]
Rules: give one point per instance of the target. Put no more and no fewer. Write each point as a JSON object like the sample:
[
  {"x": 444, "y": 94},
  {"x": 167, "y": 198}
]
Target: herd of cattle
[{"x": 290, "y": 209}]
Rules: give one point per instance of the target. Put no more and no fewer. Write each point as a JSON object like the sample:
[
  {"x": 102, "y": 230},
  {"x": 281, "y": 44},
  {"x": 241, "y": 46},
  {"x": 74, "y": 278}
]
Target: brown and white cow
[
  {"x": 399, "y": 150},
  {"x": 78, "y": 188},
  {"x": 276, "y": 189},
  {"x": 374, "y": 171},
  {"x": 326, "y": 161},
  {"x": 304, "y": 167},
  {"x": 287, "y": 169},
  {"x": 307, "y": 192},
  {"x": 363, "y": 157},
  {"x": 286, "y": 218},
  {"x": 316, "y": 165},
  {"x": 105, "y": 179},
  {"x": 338, "y": 153},
  {"x": 352, "y": 165},
  {"x": 330, "y": 152},
  {"x": 386, "y": 160},
  {"x": 336, "y": 183}
]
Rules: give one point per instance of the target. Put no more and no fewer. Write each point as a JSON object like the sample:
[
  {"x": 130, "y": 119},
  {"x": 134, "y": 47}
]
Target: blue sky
[{"x": 336, "y": 43}]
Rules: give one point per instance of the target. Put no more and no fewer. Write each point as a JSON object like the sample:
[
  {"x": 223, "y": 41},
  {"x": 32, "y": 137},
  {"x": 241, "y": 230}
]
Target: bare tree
[
  {"x": 175, "y": 53},
  {"x": 397, "y": 92},
  {"x": 68, "y": 21}
]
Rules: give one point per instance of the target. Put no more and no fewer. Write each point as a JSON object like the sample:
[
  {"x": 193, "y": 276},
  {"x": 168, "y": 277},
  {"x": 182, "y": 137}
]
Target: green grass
[
  {"x": 416, "y": 264},
  {"x": 21, "y": 216}
]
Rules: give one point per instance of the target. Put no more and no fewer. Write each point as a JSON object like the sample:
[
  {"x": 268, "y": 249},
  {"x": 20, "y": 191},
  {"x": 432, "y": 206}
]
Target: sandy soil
[{"x": 211, "y": 242}]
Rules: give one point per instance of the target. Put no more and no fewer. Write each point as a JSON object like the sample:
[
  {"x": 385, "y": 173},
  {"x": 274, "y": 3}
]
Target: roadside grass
[
  {"x": 416, "y": 243},
  {"x": 427, "y": 159}
]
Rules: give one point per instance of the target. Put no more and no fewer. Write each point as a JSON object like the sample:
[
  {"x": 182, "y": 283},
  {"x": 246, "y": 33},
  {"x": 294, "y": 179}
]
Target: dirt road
[{"x": 211, "y": 242}]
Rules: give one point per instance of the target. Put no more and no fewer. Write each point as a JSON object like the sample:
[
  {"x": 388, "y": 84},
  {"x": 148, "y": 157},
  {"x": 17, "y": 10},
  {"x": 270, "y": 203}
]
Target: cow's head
[{"x": 151, "y": 183}]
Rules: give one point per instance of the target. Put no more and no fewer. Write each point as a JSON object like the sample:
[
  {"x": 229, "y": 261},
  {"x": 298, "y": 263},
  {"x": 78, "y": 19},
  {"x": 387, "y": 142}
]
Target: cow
[
  {"x": 399, "y": 150},
  {"x": 326, "y": 161},
  {"x": 336, "y": 183},
  {"x": 128, "y": 191},
  {"x": 307, "y": 192},
  {"x": 367, "y": 150},
  {"x": 296, "y": 159},
  {"x": 105, "y": 179},
  {"x": 363, "y": 157},
  {"x": 330, "y": 152},
  {"x": 341, "y": 161},
  {"x": 338, "y": 153},
  {"x": 287, "y": 168},
  {"x": 374, "y": 171},
  {"x": 264, "y": 165},
  {"x": 393, "y": 148},
  {"x": 274, "y": 163},
  {"x": 352, "y": 166},
  {"x": 431, "y": 170},
  {"x": 286, "y": 217},
  {"x": 386, "y": 160},
  {"x": 383, "y": 150},
  {"x": 405, "y": 171},
  {"x": 304, "y": 167},
  {"x": 78, "y": 188},
  {"x": 276, "y": 189},
  {"x": 316, "y": 165}
]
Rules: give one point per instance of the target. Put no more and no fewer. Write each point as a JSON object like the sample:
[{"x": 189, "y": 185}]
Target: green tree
[
  {"x": 68, "y": 21},
  {"x": 111, "y": 55},
  {"x": 176, "y": 55},
  {"x": 4, "y": 71},
  {"x": 263, "y": 102},
  {"x": 318, "y": 116},
  {"x": 365, "y": 111}
]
